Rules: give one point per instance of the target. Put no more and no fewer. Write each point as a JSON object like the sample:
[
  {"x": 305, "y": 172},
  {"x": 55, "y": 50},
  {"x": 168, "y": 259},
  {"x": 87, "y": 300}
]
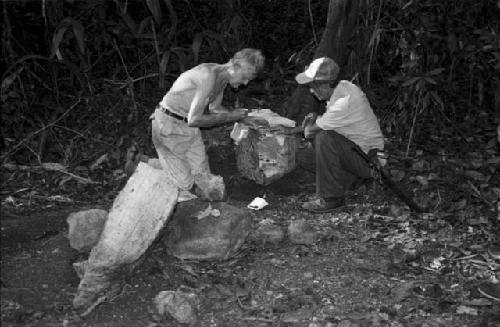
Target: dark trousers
[{"x": 337, "y": 166}]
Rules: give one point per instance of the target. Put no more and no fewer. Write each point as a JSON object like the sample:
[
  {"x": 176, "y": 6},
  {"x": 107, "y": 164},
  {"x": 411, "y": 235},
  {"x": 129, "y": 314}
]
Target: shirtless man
[{"x": 177, "y": 118}]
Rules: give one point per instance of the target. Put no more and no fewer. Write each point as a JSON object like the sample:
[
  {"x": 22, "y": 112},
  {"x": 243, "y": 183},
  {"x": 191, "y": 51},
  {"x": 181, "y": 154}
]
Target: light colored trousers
[{"x": 180, "y": 149}]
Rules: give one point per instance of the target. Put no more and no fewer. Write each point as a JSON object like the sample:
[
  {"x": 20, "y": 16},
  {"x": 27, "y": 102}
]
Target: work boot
[
  {"x": 490, "y": 290},
  {"x": 322, "y": 205}
]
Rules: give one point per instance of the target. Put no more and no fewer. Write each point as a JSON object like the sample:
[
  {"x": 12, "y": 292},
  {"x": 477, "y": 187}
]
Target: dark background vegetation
[{"x": 80, "y": 78}]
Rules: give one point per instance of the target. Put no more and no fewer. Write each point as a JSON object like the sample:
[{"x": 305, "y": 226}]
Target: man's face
[
  {"x": 321, "y": 89},
  {"x": 243, "y": 73}
]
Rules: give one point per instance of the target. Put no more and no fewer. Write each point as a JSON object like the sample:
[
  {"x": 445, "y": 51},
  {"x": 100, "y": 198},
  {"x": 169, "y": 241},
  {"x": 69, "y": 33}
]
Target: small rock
[
  {"x": 210, "y": 187},
  {"x": 85, "y": 228},
  {"x": 300, "y": 232},
  {"x": 181, "y": 305},
  {"x": 269, "y": 233},
  {"x": 308, "y": 275}
]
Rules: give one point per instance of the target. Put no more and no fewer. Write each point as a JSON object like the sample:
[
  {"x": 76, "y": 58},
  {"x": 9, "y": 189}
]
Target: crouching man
[
  {"x": 177, "y": 118},
  {"x": 348, "y": 123}
]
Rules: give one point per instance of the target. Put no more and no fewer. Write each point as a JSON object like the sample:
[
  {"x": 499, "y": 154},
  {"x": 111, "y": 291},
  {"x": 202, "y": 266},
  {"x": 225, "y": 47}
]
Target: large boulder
[
  {"x": 202, "y": 231},
  {"x": 85, "y": 228}
]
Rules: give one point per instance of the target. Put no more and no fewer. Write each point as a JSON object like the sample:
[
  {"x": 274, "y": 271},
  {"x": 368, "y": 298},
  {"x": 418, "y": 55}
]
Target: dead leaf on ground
[{"x": 402, "y": 292}]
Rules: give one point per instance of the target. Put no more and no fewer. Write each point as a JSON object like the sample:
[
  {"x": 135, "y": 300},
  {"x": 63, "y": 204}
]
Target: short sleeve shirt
[{"x": 349, "y": 113}]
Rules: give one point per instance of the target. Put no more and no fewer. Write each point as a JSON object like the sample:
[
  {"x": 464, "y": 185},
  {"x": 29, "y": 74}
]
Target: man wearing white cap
[{"x": 348, "y": 123}]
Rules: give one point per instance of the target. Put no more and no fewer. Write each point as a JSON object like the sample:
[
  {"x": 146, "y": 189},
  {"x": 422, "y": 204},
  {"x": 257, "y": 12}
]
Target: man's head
[
  {"x": 246, "y": 63},
  {"x": 319, "y": 76}
]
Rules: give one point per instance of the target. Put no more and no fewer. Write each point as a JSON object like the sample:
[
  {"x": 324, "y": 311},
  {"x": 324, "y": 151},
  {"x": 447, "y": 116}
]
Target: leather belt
[{"x": 171, "y": 114}]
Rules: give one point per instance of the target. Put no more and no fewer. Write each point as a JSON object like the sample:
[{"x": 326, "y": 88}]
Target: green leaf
[
  {"x": 411, "y": 81},
  {"x": 430, "y": 80},
  {"x": 143, "y": 24},
  {"x": 181, "y": 55},
  {"x": 79, "y": 32},
  {"x": 163, "y": 68},
  {"x": 154, "y": 7},
  {"x": 129, "y": 22},
  {"x": 197, "y": 40},
  {"x": 56, "y": 42},
  {"x": 436, "y": 71}
]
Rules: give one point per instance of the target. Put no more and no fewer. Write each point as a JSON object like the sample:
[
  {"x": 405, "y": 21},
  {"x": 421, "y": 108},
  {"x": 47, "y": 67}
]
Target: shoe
[
  {"x": 494, "y": 251},
  {"x": 490, "y": 290},
  {"x": 320, "y": 205}
]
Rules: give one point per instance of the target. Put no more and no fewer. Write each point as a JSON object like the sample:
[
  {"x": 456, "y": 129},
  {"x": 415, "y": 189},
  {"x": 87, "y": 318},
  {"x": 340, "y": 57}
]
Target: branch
[
  {"x": 38, "y": 131},
  {"x": 51, "y": 166}
]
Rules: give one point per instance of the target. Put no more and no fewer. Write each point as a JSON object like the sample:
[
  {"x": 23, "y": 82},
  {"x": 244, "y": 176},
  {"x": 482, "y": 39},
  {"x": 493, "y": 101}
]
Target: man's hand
[
  {"x": 255, "y": 122},
  {"x": 239, "y": 114},
  {"x": 219, "y": 110},
  {"x": 309, "y": 131},
  {"x": 309, "y": 119}
]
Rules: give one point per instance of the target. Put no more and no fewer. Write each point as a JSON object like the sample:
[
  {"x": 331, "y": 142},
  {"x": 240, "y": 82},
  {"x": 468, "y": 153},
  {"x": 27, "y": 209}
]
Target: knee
[
  {"x": 325, "y": 139},
  {"x": 321, "y": 138}
]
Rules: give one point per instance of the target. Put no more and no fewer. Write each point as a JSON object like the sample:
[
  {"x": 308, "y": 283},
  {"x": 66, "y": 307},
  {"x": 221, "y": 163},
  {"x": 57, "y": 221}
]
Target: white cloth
[
  {"x": 272, "y": 118},
  {"x": 349, "y": 113},
  {"x": 240, "y": 130}
]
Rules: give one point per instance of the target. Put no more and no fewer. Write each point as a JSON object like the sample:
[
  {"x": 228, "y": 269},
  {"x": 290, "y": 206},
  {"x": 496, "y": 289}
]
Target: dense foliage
[{"x": 85, "y": 74}]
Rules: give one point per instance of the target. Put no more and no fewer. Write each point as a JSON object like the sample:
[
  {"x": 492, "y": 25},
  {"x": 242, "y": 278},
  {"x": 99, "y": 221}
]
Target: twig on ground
[
  {"x": 51, "y": 167},
  {"x": 39, "y": 131},
  {"x": 477, "y": 193},
  {"x": 257, "y": 319},
  {"x": 410, "y": 138}
]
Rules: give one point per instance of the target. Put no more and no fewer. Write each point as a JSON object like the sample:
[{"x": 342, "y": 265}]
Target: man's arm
[
  {"x": 311, "y": 130},
  {"x": 216, "y": 106},
  {"x": 309, "y": 125}
]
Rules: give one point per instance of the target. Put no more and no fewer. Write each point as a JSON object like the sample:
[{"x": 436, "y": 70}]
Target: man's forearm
[
  {"x": 212, "y": 119},
  {"x": 218, "y": 110}
]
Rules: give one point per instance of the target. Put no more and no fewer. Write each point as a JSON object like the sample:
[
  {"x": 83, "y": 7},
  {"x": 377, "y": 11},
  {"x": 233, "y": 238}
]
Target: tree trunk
[{"x": 340, "y": 24}]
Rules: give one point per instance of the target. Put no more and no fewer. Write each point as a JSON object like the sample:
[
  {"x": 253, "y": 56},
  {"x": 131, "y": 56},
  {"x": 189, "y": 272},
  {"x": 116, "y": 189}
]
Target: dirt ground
[{"x": 356, "y": 273}]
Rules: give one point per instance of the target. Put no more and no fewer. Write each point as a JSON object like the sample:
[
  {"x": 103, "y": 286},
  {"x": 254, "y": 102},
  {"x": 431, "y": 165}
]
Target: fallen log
[{"x": 138, "y": 214}]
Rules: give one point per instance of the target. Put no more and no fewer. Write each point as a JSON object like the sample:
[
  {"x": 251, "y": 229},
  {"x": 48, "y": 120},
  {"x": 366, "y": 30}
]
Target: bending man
[{"x": 177, "y": 118}]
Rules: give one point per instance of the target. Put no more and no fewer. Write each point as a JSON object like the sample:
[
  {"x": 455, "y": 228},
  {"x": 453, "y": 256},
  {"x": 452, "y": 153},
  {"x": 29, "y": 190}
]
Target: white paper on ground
[{"x": 257, "y": 204}]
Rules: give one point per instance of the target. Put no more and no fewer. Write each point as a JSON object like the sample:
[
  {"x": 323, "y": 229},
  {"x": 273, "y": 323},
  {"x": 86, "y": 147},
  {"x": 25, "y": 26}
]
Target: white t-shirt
[{"x": 348, "y": 112}]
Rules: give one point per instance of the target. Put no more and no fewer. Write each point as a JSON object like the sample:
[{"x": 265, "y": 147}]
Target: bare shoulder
[{"x": 203, "y": 74}]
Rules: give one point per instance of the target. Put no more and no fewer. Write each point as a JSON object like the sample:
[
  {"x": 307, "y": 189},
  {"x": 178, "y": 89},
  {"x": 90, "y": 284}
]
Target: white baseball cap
[{"x": 321, "y": 69}]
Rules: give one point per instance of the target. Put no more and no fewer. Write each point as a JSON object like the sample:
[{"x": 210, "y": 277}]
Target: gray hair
[{"x": 252, "y": 56}]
